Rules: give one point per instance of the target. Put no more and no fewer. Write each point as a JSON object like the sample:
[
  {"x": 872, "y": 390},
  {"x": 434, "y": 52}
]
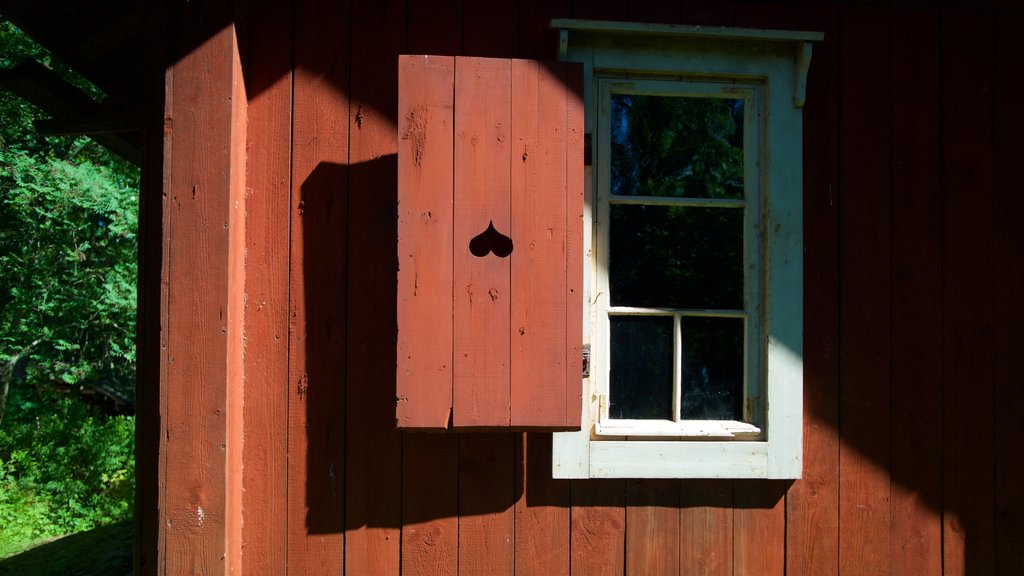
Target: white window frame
[{"x": 768, "y": 69}]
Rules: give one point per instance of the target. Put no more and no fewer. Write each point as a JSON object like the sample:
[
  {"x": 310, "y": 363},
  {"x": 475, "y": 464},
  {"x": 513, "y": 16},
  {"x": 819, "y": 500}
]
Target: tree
[{"x": 68, "y": 223}]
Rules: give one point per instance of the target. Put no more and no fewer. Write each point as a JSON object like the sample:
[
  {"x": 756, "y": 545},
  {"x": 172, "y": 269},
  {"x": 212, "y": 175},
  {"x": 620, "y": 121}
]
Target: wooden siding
[
  {"x": 913, "y": 227},
  {"x": 483, "y": 338}
]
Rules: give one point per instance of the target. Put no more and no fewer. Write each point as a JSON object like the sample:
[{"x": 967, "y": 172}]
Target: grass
[{"x": 104, "y": 551}]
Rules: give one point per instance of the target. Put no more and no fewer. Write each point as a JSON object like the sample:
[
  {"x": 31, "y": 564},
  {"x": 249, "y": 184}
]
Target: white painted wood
[
  {"x": 768, "y": 68},
  {"x": 696, "y": 429},
  {"x": 666, "y": 459},
  {"x": 637, "y": 29}
]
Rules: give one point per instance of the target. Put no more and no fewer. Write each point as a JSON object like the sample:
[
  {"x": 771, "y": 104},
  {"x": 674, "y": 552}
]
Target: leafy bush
[{"x": 64, "y": 467}]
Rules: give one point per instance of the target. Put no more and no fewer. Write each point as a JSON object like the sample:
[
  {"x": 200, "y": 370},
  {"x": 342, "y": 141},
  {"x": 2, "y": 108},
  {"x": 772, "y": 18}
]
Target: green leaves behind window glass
[
  {"x": 676, "y": 257},
  {"x": 676, "y": 146}
]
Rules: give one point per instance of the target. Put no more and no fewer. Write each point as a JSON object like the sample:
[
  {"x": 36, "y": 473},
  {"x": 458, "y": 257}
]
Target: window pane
[
  {"x": 676, "y": 257},
  {"x": 712, "y": 387},
  {"x": 676, "y": 146},
  {"x": 641, "y": 367}
]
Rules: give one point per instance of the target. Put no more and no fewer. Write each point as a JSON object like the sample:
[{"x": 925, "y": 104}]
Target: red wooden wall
[{"x": 277, "y": 418}]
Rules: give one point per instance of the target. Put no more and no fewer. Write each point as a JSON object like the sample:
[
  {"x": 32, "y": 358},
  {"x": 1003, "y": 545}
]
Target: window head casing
[{"x": 693, "y": 285}]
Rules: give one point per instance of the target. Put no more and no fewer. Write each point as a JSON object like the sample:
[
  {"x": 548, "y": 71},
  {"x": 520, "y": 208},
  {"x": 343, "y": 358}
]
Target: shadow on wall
[{"x": 359, "y": 470}]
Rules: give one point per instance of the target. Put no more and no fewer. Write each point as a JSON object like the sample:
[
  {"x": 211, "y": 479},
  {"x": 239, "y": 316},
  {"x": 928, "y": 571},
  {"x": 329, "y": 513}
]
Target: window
[{"x": 693, "y": 284}]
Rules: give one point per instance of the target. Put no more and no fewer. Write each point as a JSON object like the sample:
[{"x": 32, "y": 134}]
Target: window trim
[{"x": 776, "y": 60}]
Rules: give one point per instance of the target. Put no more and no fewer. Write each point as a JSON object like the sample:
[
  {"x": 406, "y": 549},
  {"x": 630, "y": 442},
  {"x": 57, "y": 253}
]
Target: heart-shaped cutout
[{"x": 490, "y": 240}]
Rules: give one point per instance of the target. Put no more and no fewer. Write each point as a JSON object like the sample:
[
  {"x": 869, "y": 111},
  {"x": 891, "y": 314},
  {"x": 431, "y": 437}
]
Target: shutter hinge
[
  {"x": 587, "y": 158},
  {"x": 586, "y": 360}
]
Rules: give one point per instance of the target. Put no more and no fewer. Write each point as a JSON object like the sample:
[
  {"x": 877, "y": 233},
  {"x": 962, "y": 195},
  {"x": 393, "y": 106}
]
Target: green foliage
[
  {"x": 63, "y": 468},
  {"x": 67, "y": 247},
  {"x": 672, "y": 146},
  {"x": 68, "y": 225}
]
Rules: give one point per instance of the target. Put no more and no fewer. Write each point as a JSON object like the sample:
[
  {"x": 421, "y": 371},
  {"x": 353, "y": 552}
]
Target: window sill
[{"x": 687, "y": 429}]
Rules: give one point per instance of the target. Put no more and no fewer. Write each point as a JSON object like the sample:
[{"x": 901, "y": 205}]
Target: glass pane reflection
[
  {"x": 712, "y": 387},
  {"x": 641, "y": 367},
  {"x": 676, "y": 257},
  {"x": 676, "y": 146}
]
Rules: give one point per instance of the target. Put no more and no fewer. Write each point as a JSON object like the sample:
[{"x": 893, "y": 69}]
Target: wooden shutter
[{"x": 490, "y": 234}]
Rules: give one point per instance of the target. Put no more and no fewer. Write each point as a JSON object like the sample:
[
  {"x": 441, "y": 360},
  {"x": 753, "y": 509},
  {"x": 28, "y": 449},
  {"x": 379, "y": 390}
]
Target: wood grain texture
[
  {"x": 812, "y": 504},
  {"x": 538, "y": 225},
  {"x": 268, "y": 197},
  {"x": 491, "y": 29},
  {"x": 430, "y": 462},
  {"x": 201, "y": 361},
  {"x": 759, "y": 527},
  {"x": 1008, "y": 236},
  {"x": 967, "y": 289},
  {"x": 317, "y": 292},
  {"x": 430, "y": 504},
  {"x": 706, "y": 527},
  {"x": 598, "y": 524},
  {"x": 865, "y": 288},
  {"x": 373, "y": 450},
  {"x": 482, "y": 285},
  {"x": 916, "y": 545},
  {"x": 652, "y": 527},
  {"x": 487, "y": 495},
  {"x": 575, "y": 248},
  {"x": 425, "y": 253},
  {"x": 147, "y": 521},
  {"x": 435, "y": 27},
  {"x": 541, "y": 512}
]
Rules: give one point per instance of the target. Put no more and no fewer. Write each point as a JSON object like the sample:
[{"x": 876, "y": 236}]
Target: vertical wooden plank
[
  {"x": 812, "y": 503},
  {"x": 373, "y": 449},
  {"x": 267, "y": 59},
  {"x": 705, "y": 527},
  {"x": 864, "y": 511},
  {"x": 574, "y": 245},
  {"x": 709, "y": 12},
  {"x": 967, "y": 289},
  {"x": 600, "y": 10},
  {"x": 434, "y": 27},
  {"x": 203, "y": 280},
  {"x": 1008, "y": 237},
  {"x": 149, "y": 484},
  {"x": 536, "y": 38},
  {"x": 430, "y": 462},
  {"x": 760, "y": 14},
  {"x": 481, "y": 284},
  {"x": 425, "y": 184},
  {"x": 538, "y": 225},
  {"x": 430, "y": 504},
  {"x": 491, "y": 29},
  {"x": 655, "y": 11},
  {"x": 598, "y": 524},
  {"x": 652, "y": 527},
  {"x": 759, "y": 527},
  {"x": 541, "y": 513},
  {"x": 487, "y": 495},
  {"x": 916, "y": 545},
  {"x": 317, "y": 336},
  {"x": 759, "y": 520}
]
